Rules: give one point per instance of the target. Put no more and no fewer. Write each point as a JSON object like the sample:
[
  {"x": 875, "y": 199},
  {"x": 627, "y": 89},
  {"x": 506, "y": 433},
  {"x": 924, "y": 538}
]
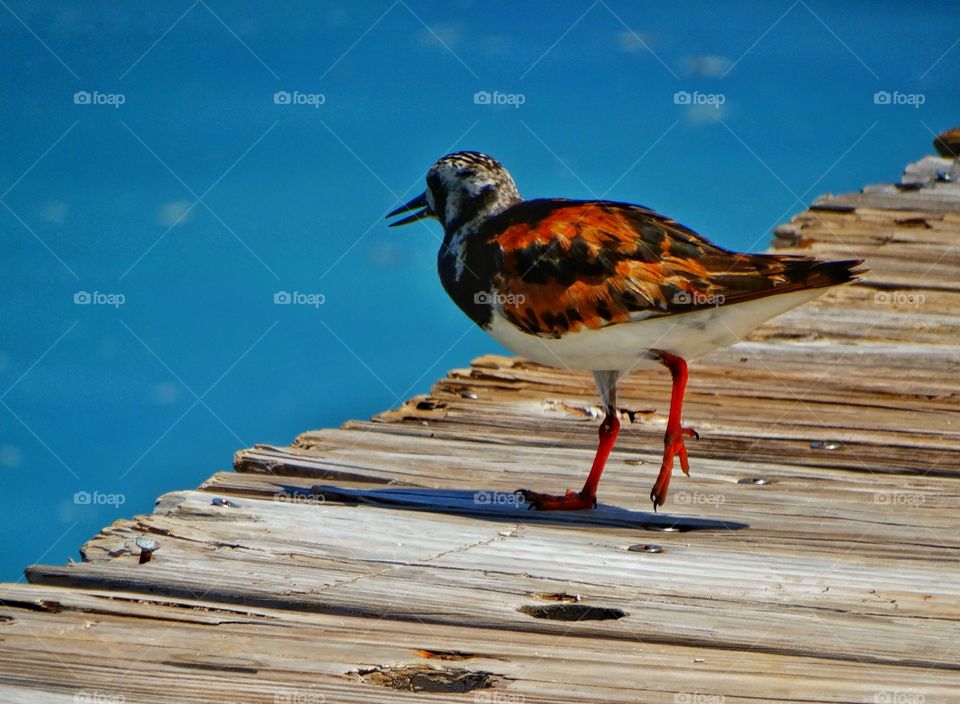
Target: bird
[{"x": 604, "y": 286}]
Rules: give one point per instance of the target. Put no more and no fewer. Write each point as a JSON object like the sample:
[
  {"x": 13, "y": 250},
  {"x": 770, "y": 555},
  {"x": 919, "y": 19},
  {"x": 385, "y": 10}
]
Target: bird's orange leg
[
  {"x": 586, "y": 497},
  {"x": 673, "y": 445}
]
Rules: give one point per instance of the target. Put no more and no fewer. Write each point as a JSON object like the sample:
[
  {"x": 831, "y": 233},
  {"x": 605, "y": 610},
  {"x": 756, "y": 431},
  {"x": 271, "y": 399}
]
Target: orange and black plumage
[{"x": 589, "y": 264}]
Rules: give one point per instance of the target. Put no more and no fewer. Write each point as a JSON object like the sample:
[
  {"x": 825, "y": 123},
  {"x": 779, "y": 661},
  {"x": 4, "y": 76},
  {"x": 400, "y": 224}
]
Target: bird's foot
[
  {"x": 673, "y": 446},
  {"x": 571, "y": 501}
]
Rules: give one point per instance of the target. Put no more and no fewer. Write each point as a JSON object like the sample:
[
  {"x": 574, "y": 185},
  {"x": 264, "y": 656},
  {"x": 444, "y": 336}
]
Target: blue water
[{"x": 175, "y": 101}]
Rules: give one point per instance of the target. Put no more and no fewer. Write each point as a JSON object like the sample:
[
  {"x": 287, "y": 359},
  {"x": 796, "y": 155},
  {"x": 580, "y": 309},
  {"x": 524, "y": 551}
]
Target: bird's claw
[
  {"x": 673, "y": 446},
  {"x": 571, "y": 501}
]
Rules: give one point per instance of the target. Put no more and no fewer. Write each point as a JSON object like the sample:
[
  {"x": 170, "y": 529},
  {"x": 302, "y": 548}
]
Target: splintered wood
[{"x": 811, "y": 556}]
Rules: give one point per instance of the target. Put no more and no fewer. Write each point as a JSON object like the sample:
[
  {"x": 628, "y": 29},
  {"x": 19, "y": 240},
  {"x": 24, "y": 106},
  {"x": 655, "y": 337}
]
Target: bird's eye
[
  {"x": 466, "y": 173},
  {"x": 437, "y": 194}
]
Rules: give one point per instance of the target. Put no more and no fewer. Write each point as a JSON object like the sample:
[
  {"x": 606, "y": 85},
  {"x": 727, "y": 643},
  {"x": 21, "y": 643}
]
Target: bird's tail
[
  {"x": 753, "y": 276},
  {"x": 807, "y": 272}
]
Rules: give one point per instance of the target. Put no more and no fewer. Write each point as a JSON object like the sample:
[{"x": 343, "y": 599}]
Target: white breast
[{"x": 626, "y": 346}]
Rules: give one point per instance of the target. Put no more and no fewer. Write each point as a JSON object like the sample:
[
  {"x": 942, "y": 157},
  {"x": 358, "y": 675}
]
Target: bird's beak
[{"x": 419, "y": 202}]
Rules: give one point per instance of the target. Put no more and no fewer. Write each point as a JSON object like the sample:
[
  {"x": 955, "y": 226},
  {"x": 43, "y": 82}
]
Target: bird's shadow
[{"x": 501, "y": 506}]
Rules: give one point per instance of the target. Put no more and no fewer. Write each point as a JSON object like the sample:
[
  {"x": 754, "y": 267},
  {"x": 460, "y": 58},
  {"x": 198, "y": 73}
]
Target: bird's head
[{"x": 463, "y": 188}]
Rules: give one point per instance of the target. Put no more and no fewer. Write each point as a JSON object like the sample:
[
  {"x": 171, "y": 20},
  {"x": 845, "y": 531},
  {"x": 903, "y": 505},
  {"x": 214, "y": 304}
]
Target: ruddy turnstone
[{"x": 604, "y": 286}]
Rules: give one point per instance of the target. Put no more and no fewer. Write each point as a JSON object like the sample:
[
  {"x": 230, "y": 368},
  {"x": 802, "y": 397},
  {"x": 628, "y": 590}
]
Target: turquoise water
[{"x": 182, "y": 164}]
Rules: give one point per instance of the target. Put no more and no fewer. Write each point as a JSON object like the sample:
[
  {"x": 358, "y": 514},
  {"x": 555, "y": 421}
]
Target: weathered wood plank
[
  {"x": 190, "y": 652},
  {"x": 355, "y": 559}
]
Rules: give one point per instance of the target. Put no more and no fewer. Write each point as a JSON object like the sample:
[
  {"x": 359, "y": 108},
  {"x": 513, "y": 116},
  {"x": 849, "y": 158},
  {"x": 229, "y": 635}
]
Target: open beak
[{"x": 419, "y": 202}]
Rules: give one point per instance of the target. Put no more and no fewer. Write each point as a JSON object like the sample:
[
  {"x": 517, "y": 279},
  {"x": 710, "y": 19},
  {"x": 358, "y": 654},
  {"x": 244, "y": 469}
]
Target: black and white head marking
[{"x": 466, "y": 187}]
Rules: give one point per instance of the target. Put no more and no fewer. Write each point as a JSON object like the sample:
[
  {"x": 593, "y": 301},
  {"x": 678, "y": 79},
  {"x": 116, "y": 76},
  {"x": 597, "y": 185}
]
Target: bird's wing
[{"x": 568, "y": 264}]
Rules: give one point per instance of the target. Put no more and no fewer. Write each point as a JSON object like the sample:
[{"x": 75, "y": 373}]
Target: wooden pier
[{"x": 813, "y": 555}]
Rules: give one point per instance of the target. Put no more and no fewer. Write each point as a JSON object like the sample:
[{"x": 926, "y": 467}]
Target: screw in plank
[{"x": 147, "y": 547}]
